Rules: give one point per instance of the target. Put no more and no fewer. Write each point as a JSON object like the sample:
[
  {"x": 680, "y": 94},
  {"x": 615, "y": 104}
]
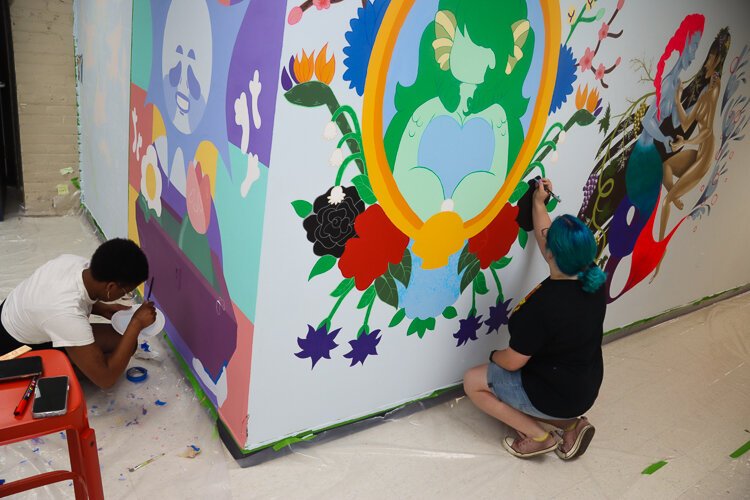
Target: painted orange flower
[
  {"x": 587, "y": 100},
  {"x": 303, "y": 67},
  {"x": 324, "y": 70}
]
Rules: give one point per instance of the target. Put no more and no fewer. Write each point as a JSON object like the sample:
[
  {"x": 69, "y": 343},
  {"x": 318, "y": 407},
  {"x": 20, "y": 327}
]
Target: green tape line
[
  {"x": 291, "y": 440},
  {"x": 741, "y": 450},
  {"x": 654, "y": 467}
]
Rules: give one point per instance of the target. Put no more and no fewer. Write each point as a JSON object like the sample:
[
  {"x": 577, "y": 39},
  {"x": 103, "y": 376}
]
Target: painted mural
[
  {"x": 203, "y": 89},
  {"x": 424, "y": 206}
]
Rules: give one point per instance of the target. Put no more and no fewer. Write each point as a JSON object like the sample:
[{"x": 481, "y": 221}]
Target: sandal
[
  {"x": 528, "y": 447},
  {"x": 576, "y": 440}
]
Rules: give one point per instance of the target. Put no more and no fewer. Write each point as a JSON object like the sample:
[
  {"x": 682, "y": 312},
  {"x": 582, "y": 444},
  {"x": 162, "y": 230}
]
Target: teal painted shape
[
  {"x": 241, "y": 228},
  {"x": 141, "y": 49}
]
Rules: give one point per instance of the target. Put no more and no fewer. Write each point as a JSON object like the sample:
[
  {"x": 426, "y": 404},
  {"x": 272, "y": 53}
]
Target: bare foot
[{"x": 679, "y": 204}]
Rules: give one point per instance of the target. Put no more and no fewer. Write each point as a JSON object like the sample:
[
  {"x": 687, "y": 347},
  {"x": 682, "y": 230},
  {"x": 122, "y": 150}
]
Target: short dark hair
[{"x": 121, "y": 261}]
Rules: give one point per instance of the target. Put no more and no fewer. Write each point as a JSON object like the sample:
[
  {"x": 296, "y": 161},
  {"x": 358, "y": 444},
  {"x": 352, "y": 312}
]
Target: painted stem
[
  {"x": 500, "y": 297},
  {"x": 344, "y": 164},
  {"x": 531, "y": 166},
  {"x": 336, "y": 306},
  {"x": 350, "y": 136},
  {"x": 366, "y": 324},
  {"x": 336, "y": 116}
]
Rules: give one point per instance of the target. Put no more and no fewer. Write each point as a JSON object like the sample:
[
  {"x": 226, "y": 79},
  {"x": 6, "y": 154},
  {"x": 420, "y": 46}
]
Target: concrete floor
[{"x": 678, "y": 392}]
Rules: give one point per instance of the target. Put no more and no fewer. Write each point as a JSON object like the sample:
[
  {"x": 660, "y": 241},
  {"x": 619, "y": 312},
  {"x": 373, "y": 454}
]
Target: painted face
[
  {"x": 469, "y": 61},
  {"x": 186, "y": 63},
  {"x": 691, "y": 48}
]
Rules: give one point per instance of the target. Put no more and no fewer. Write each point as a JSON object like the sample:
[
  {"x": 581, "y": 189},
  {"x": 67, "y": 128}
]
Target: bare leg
[
  {"x": 105, "y": 337},
  {"x": 475, "y": 386}
]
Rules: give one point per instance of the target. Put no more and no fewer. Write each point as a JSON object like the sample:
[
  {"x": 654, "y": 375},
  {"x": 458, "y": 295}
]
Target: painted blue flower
[
  {"x": 361, "y": 38},
  {"x": 498, "y": 317},
  {"x": 467, "y": 330},
  {"x": 317, "y": 344},
  {"x": 566, "y": 76},
  {"x": 363, "y": 346}
]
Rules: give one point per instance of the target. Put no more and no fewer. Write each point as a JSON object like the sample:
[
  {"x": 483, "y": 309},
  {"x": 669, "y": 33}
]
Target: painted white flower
[
  {"x": 337, "y": 195},
  {"x": 554, "y": 157},
  {"x": 337, "y": 158},
  {"x": 151, "y": 180},
  {"x": 331, "y": 131},
  {"x": 561, "y": 137},
  {"x": 447, "y": 205}
]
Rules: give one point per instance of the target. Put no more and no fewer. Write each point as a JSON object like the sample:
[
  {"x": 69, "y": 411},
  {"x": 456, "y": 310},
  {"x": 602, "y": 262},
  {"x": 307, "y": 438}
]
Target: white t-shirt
[{"x": 51, "y": 305}]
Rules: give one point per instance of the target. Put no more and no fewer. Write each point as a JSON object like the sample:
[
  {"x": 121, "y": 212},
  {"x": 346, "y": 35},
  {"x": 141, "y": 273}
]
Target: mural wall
[{"x": 332, "y": 192}]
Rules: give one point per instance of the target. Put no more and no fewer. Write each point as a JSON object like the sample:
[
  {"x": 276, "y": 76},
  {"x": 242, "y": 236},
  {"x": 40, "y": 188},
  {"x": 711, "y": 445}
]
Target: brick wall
[{"x": 46, "y": 86}]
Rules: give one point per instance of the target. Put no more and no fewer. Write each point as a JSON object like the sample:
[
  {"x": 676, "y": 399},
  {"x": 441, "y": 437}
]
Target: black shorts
[{"x": 8, "y": 343}]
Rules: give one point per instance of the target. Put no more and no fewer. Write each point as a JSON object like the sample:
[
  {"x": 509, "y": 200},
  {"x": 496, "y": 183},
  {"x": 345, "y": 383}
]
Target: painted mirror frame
[{"x": 444, "y": 233}]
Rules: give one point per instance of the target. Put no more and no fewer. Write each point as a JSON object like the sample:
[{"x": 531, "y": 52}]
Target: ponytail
[{"x": 592, "y": 278}]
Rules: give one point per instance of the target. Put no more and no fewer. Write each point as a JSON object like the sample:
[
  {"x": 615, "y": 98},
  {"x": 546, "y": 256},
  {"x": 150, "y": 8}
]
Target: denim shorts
[{"x": 508, "y": 388}]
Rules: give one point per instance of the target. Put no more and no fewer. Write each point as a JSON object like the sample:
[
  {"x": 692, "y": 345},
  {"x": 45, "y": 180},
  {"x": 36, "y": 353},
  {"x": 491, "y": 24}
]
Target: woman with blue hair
[{"x": 552, "y": 369}]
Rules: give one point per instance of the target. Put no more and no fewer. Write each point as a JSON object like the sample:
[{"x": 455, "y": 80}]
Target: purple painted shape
[
  {"x": 192, "y": 305},
  {"x": 257, "y": 48},
  {"x": 622, "y": 236}
]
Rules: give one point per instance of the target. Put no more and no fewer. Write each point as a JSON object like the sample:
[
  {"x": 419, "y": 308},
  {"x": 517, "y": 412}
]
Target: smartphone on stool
[{"x": 51, "y": 397}]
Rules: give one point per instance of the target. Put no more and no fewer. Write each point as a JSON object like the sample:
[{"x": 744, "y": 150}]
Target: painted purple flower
[
  {"x": 317, "y": 344},
  {"x": 467, "y": 330},
  {"x": 363, "y": 346},
  {"x": 288, "y": 78},
  {"x": 498, "y": 317}
]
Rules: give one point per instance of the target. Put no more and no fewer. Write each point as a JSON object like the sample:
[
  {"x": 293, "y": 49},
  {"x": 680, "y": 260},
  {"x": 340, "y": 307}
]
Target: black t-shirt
[{"x": 561, "y": 327}]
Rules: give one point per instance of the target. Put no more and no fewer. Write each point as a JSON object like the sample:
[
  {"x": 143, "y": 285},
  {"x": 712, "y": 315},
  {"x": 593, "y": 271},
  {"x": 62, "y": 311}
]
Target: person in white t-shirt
[{"x": 51, "y": 309}]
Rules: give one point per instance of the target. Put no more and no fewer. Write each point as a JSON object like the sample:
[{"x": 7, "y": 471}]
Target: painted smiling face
[{"x": 186, "y": 63}]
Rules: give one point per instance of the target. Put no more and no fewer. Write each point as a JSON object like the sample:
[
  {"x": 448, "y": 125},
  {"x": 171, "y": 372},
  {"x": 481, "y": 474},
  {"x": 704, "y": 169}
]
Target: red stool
[{"x": 84, "y": 458}]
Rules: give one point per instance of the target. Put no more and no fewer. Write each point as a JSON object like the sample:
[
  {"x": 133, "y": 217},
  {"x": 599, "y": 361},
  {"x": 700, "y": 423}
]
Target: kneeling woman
[{"x": 552, "y": 368}]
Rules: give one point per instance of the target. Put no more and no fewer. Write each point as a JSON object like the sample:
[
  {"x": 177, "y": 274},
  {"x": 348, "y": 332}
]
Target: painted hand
[
  {"x": 255, "y": 87},
  {"x": 242, "y": 118},
  {"x": 253, "y": 173},
  {"x": 678, "y": 143}
]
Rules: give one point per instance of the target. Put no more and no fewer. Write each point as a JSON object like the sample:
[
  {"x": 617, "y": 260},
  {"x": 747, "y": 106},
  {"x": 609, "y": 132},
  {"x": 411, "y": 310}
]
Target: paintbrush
[
  {"x": 150, "y": 288},
  {"x": 143, "y": 464}
]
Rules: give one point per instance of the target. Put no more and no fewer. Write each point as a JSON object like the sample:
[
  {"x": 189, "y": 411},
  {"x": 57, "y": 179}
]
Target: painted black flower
[
  {"x": 317, "y": 344},
  {"x": 331, "y": 223},
  {"x": 467, "y": 330},
  {"x": 498, "y": 317},
  {"x": 363, "y": 346}
]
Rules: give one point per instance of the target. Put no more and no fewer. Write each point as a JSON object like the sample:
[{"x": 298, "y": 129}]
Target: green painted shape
[
  {"x": 241, "y": 228},
  {"x": 654, "y": 467},
  {"x": 741, "y": 450},
  {"x": 196, "y": 248},
  {"x": 142, "y": 45}
]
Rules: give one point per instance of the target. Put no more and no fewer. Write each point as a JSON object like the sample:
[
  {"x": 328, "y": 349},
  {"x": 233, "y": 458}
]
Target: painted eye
[
  {"x": 193, "y": 86},
  {"x": 174, "y": 74}
]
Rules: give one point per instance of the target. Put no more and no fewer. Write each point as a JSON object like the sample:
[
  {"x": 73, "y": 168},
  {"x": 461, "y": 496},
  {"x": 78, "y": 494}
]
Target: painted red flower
[
  {"x": 585, "y": 62},
  {"x": 495, "y": 240},
  {"x": 603, "y": 31},
  {"x": 377, "y": 244},
  {"x": 322, "y": 4},
  {"x": 599, "y": 74}
]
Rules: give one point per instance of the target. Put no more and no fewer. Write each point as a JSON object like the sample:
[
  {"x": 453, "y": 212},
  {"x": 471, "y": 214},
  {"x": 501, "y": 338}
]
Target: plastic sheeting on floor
[{"x": 677, "y": 393}]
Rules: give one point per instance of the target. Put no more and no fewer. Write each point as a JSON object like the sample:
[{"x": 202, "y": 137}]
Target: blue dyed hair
[{"x": 573, "y": 246}]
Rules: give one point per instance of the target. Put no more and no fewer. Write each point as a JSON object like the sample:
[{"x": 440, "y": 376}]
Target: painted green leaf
[
  {"x": 310, "y": 94},
  {"x": 465, "y": 259},
  {"x": 450, "y": 312},
  {"x": 397, "y": 318},
  {"x": 402, "y": 271},
  {"x": 344, "y": 287},
  {"x": 480, "y": 284},
  {"x": 519, "y": 192},
  {"x": 582, "y": 117},
  {"x": 385, "y": 287},
  {"x": 302, "y": 207},
  {"x": 471, "y": 272},
  {"x": 323, "y": 265},
  {"x": 523, "y": 237},
  {"x": 604, "y": 122},
  {"x": 551, "y": 205},
  {"x": 367, "y": 298},
  {"x": 499, "y": 264},
  {"x": 362, "y": 183},
  {"x": 420, "y": 326}
]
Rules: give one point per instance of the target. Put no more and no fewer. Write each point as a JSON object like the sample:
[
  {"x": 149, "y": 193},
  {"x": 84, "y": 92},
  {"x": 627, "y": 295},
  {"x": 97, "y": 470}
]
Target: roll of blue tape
[{"x": 136, "y": 374}]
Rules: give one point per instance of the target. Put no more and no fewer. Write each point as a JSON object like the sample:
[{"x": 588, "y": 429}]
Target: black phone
[
  {"x": 50, "y": 397},
  {"x": 20, "y": 368}
]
